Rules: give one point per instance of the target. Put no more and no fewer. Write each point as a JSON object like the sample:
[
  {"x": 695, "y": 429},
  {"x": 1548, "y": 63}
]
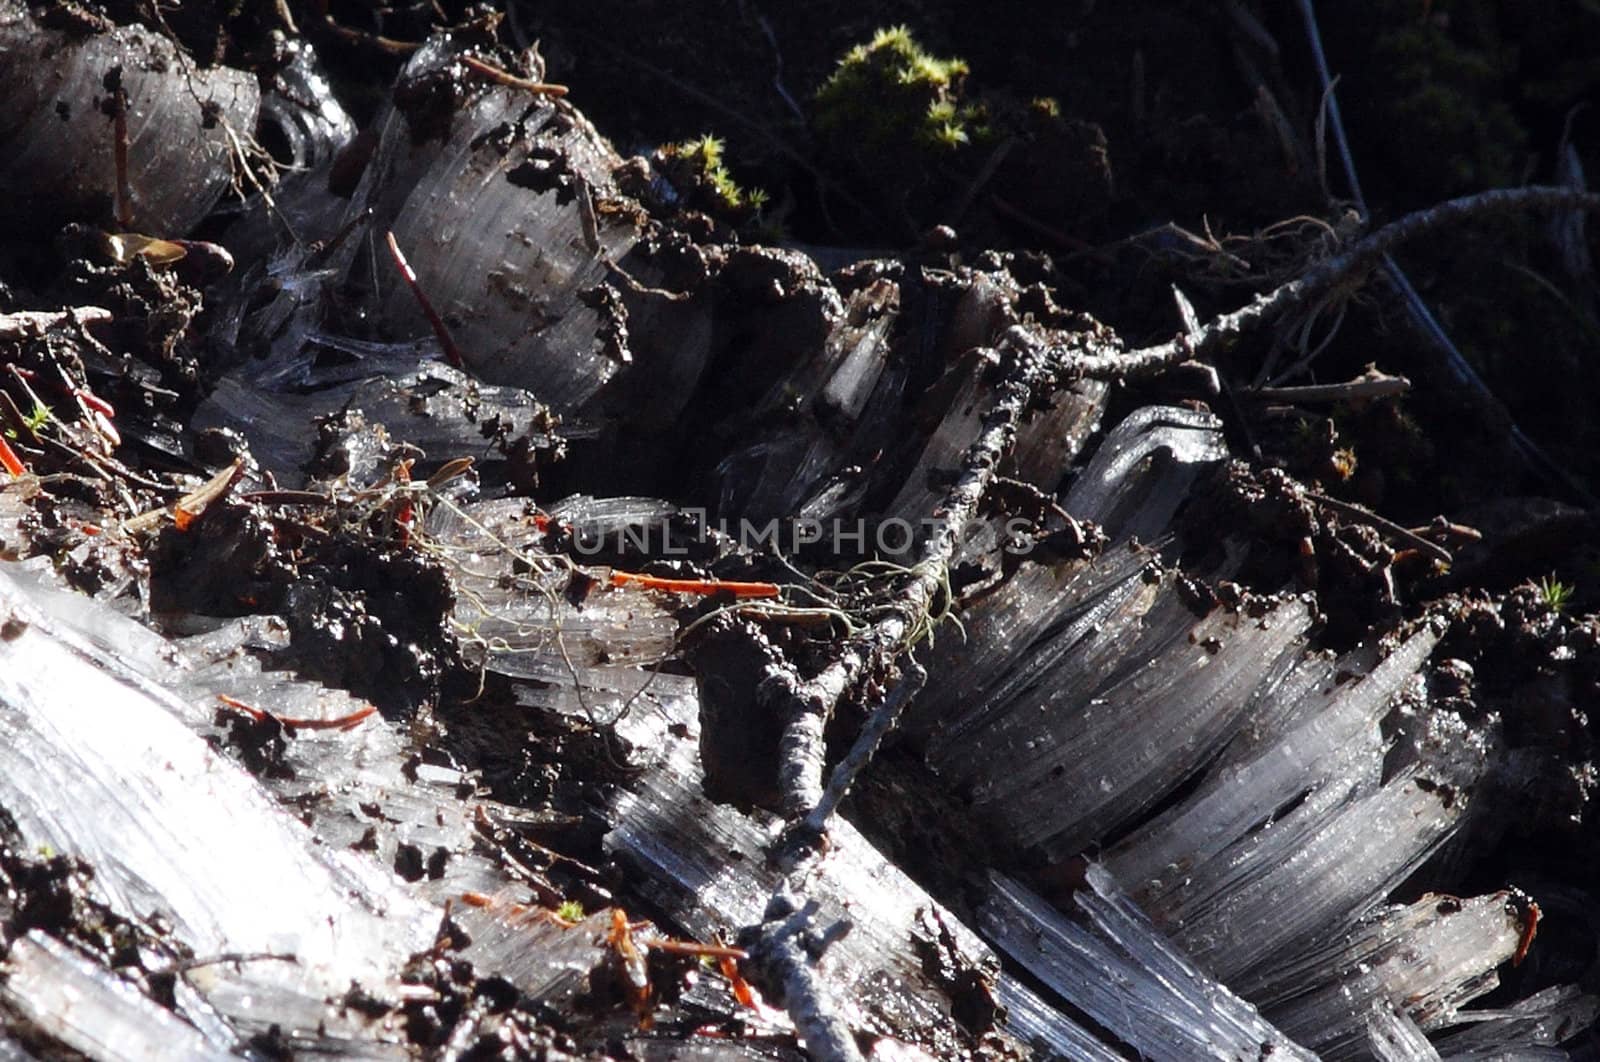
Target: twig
[
  {"x": 1344, "y": 269},
  {"x": 355, "y": 36},
  {"x": 23, "y": 323},
  {"x": 189, "y": 507},
  {"x": 1369, "y": 385},
  {"x": 784, "y": 951},
  {"x": 883, "y": 719},
  {"x": 510, "y": 80},
  {"x": 636, "y": 286},
  {"x": 806, "y": 705},
  {"x": 182, "y": 966},
  {"x": 1330, "y": 104},
  {"x": 1366, "y": 516}
]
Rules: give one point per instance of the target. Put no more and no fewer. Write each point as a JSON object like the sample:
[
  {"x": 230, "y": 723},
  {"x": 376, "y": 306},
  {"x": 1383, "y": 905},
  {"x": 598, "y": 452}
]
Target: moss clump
[
  {"x": 890, "y": 96},
  {"x": 1045, "y": 109},
  {"x": 1434, "y": 98},
  {"x": 698, "y": 170}
]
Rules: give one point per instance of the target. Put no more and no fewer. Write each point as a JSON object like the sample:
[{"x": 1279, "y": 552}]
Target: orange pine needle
[
  {"x": 190, "y": 507},
  {"x": 741, "y": 988},
  {"x": 705, "y": 587},
  {"x": 9, "y": 459},
  {"x": 343, "y": 722},
  {"x": 1530, "y": 929},
  {"x": 95, "y": 402}
]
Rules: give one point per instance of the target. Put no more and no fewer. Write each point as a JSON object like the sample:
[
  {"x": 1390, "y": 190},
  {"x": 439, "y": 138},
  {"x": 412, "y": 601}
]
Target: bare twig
[
  {"x": 1025, "y": 371},
  {"x": 510, "y": 80},
  {"x": 1369, "y": 385},
  {"x": 883, "y": 719},
  {"x": 1363, "y": 515},
  {"x": 1340, "y": 270},
  {"x": 355, "y": 36},
  {"x": 787, "y": 950},
  {"x": 182, "y": 966}
]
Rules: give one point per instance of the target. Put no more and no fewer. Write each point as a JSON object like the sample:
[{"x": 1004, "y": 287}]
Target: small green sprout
[
  {"x": 570, "y": 911},
  {"x": 37, "y": 417},
  {"x": 698, "y": 169},
  {"x": 35, "y": 420},
  {"x": 1555, "y": 593}
]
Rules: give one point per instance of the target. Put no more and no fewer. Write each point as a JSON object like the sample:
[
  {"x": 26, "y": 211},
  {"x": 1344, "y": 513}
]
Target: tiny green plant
[
  {"x": 570, "y": 911},
  {"x": 34, "y": 420},
  {"x": 1555, "y": 593},
  {"x": 37, "y": 417},
  {"x": 699, "y": 169}
]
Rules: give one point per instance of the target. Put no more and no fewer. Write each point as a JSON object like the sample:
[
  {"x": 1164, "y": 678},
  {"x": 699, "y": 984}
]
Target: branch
[
  {"x": 884, "y": 719},
  {"x": 1026, "y": 371},
  {"x": 786, "y": 951},
  {"x": 1370, "y": 385},
  {"x": 1345, "y": 269}
]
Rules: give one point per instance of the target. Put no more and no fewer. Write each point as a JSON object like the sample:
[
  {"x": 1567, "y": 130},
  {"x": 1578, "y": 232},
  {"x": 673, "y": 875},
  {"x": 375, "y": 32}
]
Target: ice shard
[{"x": 1116, "y": 967}]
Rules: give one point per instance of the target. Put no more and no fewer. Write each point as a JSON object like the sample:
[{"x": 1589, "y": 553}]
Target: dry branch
[
  {"x": 789, "y": 950},
  {"x": 1026, "y": 370},
  {"x": 1345, "y": 269}
]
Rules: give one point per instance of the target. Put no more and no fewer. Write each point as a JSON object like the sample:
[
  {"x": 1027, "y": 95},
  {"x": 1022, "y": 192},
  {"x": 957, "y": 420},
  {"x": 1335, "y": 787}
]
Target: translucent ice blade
[{"x": 1113, "y": 965}]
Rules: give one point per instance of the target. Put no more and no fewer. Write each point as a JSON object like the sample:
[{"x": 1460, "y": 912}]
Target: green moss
[
  {"x": 1045, "y": 109},
  {"x": 698, "y": 169},
  {"x": 889, "y": 96},
  {"x": 1440, "y": 93}
]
